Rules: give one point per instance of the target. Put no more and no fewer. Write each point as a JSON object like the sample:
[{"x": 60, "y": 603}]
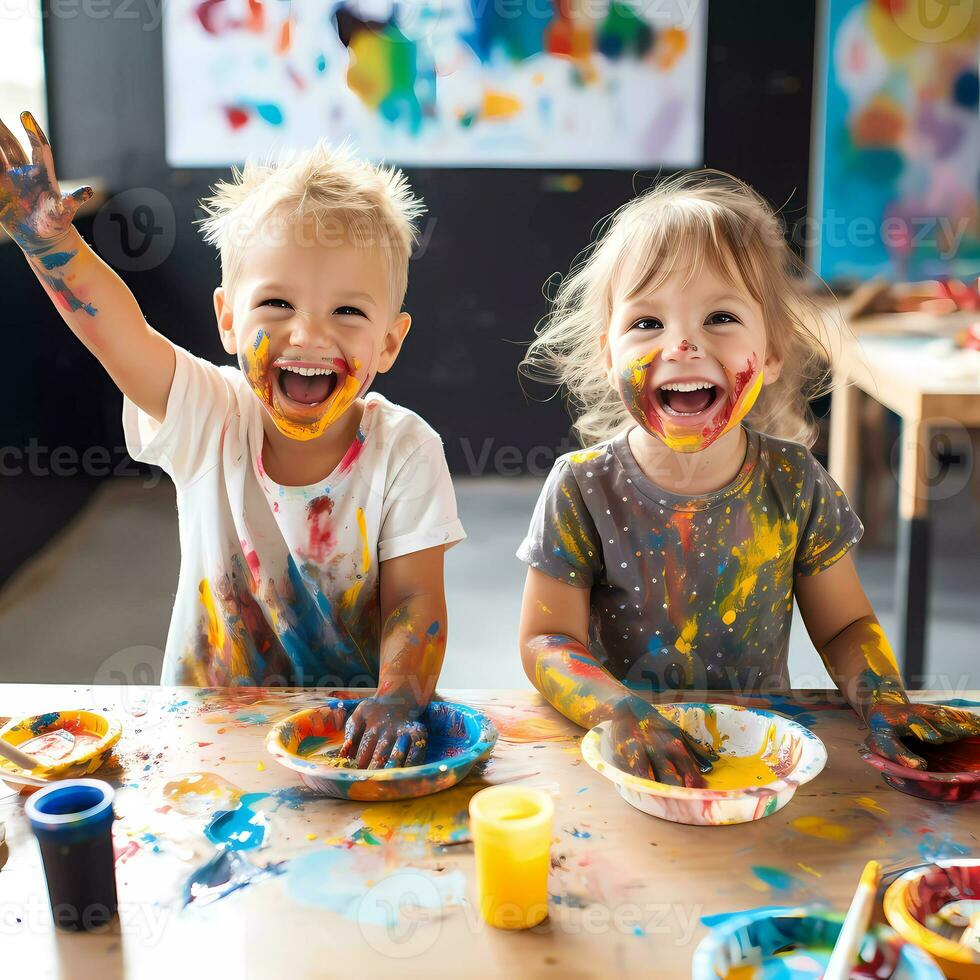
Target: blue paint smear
[
  {"x": 270, "y": 112},
  {"x": 338, "y": 879},
  {"x": 241, "y": 829},
  {"x": 775, "y": 878},
  {"x": 56, "y": 259},
  {"x": 799, "y": 713},
  {"x": 252, "y": 718},
  {"x": 582, "y": 834},
  {"x": 933, "y": 848},
  {"x": 45, "y": 721},
  {"x": 225, "y": 873},
  {"x": 721, "y": 917}
]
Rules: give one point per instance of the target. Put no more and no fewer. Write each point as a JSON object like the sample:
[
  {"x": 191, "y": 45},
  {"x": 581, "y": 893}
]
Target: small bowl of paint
[
  {"x": 762, "y": 759},
  {"x": 952, "y": 773},
  {"x": 797, "y": 943},
  {"x": 938, "y": 909},
  {"x": 309, "y": 743},
  {"x": 67, "y": 744}
]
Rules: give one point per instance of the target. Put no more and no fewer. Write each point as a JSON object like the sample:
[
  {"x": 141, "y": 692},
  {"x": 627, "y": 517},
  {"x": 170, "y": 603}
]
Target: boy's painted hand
[
  {"x": 384, "y": 733},
  {"x": 33, "y": 211},
  {"x": 649, "y": 745},
  {"x": 892, "y": 717}
]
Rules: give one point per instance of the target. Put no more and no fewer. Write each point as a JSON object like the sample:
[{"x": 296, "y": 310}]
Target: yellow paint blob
[
  {"x": 824, "y": 829},
  {"x": 743, "y": 772},
  {"x": 438, "y": 819},
  {"x": 869, "y": 804},
  {"x": 500, "y": 105}
]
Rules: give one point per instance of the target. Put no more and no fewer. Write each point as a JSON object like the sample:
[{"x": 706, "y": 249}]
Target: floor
[{"x": 94, "y": 605}]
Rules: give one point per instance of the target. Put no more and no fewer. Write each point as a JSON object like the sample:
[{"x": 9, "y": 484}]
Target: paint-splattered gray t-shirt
[{"x": 690, "y": 592}]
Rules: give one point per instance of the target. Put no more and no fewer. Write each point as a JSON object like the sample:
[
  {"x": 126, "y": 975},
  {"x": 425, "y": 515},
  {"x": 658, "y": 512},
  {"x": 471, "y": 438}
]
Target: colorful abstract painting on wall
[
  {"x": 438, "y": 82},
  {"x": 898, "y": 148}
]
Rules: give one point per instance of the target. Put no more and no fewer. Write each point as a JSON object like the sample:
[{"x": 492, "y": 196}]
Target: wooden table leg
[
  {"x": 912, "y": 552},
  {"x": 844, "y": 431}
]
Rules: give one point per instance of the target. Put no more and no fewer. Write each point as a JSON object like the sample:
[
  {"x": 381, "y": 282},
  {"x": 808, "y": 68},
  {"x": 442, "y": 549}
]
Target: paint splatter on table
[{"x": 226, "y": 862}]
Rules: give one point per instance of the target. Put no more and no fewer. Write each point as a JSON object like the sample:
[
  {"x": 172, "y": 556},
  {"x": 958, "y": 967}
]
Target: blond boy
[{"x": 314, "y": 515}]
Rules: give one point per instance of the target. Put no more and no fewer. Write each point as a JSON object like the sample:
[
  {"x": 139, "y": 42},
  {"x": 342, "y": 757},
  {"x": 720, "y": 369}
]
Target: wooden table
[
  {"x": 884, "y": 361},
  {"x": 627, "y": 890}
]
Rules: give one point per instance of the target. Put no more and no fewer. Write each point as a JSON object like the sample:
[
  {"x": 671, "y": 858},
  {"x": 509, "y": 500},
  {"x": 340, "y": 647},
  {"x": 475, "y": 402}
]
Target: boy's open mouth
[
  {"x": 687, "y": 399},
  {"x": 309, "y": 385}
]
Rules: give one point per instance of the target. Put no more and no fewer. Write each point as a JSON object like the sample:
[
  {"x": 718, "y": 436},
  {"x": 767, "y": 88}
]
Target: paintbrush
[
  {"x": 855, "y": 925},
  {"x": 17, "y": 757}
]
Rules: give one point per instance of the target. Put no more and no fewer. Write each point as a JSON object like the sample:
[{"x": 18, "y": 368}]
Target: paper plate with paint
[
  {"x": 68, "y": 744},
  {"x": 952, "y": 776},
  {"x": 762, "y": 758},
  {"x": 309, "y": 742},
  {"x": 797, "y": 943},
  {"x": 938, "y": 909}
]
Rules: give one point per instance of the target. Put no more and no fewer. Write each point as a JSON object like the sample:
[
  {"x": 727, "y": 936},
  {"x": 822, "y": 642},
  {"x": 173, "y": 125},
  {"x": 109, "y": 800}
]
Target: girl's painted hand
[
  {"x": 892, "y": 717},
  {"x": 33, "y": 211},
  {"x": 384, "y": 733},
  {"x": 653, "y": 747}
]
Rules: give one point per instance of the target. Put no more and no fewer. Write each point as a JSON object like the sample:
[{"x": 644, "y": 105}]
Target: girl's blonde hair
[
  {"x": 349, "y": 199},
  {"x": 677, "y": 226}
]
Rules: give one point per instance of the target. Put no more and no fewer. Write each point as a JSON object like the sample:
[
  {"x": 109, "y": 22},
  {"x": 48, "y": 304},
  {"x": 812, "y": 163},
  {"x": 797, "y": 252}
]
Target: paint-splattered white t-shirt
[{"x": 280, "y": 585}]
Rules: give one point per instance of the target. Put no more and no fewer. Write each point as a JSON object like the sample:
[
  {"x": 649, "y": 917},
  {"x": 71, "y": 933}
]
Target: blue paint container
[{"x": 72, "y": 821}]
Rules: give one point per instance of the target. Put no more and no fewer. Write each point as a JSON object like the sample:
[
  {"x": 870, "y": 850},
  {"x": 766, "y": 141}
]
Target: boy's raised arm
[{"x": 94, "y": 302}]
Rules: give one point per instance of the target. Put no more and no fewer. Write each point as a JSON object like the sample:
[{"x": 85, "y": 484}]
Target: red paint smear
[
  {"x": 352, "y": 454},
  {"x": 285, "y": 37},
  {"x": 166, "y": 808},
  {"x": 558, "y": 36},
  {"x": 252, "y": 560},
  {"x": 256, "y": 624},
  {"x": 256, "y": 17},
  {"x": 123, "y": 854},
  {"x": 684, "y": 524},
  {"x": 202, "y": 745},
  {"x": 321, "y": 535},
  {"x": 236, "y": 117},
  {"x": 742, "y": 379},
  {"x": 205, "y": 12},
  {"x": 297, "y": 78}
]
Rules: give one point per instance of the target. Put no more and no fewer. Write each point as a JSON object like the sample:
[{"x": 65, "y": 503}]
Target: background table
[
  {"x": 627, "y": 891},
  {"x": 896, "y": 371}
]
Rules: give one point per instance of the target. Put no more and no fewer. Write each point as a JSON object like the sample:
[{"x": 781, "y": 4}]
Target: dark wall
[{"x": 476, "y": 291}]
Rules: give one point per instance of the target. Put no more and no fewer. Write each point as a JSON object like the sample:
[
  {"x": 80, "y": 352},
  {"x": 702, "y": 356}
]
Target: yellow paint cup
[{"x": 512, "y": 830}]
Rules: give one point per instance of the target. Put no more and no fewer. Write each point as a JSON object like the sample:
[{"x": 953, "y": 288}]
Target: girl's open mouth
[
  {"x": 687, "y": 399},
  {"x": 309, "y": 386}
]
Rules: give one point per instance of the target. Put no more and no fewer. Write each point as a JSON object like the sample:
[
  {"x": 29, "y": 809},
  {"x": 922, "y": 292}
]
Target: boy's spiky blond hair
[
  {"x": 371, "y": 206},
  {"x": 679, "y": 225}
]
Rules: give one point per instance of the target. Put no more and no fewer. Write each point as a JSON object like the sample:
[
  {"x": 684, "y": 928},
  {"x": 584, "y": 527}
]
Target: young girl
[{"x": 667, "y": 555}]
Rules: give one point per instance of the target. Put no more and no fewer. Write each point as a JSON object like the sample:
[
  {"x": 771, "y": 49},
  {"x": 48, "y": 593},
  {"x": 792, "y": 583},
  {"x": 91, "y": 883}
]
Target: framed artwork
[
  {"x": 897, "y": 147},
  {"x": 476, "y": 83}
]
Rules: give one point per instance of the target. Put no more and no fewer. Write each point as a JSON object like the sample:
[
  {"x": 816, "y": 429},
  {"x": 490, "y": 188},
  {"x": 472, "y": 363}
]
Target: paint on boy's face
[
  {"x": 692, "y": 433},
  {"x": 301, "y": 406}
]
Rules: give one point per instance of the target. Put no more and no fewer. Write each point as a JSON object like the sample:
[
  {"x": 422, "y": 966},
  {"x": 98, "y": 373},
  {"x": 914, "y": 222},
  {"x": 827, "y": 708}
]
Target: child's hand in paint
[
  {"x": 649, "y": 745},
  {"x": 386, "y": 733},
  {"x": 33, "y": 211},
  {"x": 892, "y": 718}
]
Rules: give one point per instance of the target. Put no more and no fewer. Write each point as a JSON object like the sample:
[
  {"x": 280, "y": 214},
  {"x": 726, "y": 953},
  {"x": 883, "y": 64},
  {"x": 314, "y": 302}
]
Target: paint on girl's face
[
  {"x": 291, "y": 417},
  {"x": 642, "y": 401}
]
